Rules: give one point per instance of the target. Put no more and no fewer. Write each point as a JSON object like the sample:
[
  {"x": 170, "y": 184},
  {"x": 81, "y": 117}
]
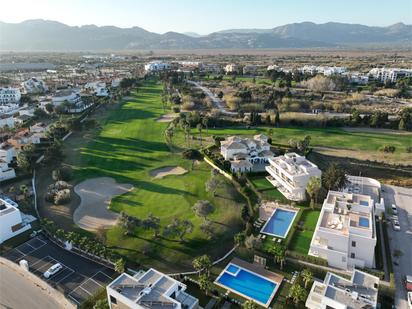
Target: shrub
[
  {"x": 62, "y": 197},
  {"x": 64, "y": 173},
  {"x": 192, "y": 154},
  {"x": 176, "y": 109},
  {"x": 388, "y": 148}
]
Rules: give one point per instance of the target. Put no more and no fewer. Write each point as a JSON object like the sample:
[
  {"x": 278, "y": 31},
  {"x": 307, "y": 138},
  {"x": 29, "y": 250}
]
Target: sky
[{"x": 206, "y": 16}]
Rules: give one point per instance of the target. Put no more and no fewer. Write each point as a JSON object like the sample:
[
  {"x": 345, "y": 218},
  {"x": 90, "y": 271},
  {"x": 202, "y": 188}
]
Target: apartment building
[
  {"x": 360, "y": 292},
  {"x": 149, "y": 289},
  {"x": 391, "y": 75},
  {"x": 9, "y": 95},
  {"x": 6, "y": 172},
  {"x": 11, "y": 222},
  {"x": 34, "y": 86},
  {"x": 290, "y": 174},
  {"x": 97, "y": 88},
  {"x": 6, "y": 120},
  {"x": 345, "y": 233}
]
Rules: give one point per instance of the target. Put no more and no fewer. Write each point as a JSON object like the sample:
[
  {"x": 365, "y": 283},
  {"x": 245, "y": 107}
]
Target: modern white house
[
  {"x": 11, "y": 222},
  {"x": 9, "y": 95},
  {"x": 360, "y": 292},
  {"x": 148, "y": 289},
  {"x": 244, "y": 153},
  {"x": 6, "y": 120},
  {"x": 231, "y": 68},
  {"x": 390, "y": 74},
  {"x": 6, "y": 172},
  {"x": 7, "y": 152},
  {"x": 156, "y": 66},
  {"x": 345, "y": 233},
  {"x": 325, "y": 70},
  {"x": 290, "y": 174},
  {"x": 71, "y": 96},
  {"x": 98, "y": 88},
  {"x": 34, "y": 86}
]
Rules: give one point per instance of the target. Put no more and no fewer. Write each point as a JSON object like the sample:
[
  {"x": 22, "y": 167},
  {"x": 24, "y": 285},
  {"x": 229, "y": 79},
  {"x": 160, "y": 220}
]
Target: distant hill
[{"x": 45, "y": 35}]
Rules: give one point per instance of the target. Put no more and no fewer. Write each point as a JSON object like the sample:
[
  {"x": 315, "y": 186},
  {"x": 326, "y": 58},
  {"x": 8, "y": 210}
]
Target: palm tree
[
  {"x": 119, "y": 266},
  {"x": 202, "y": 263},
  {"x": 307, "y": 276},
  {"x": 205, "y": 284},
  {"x": 297, "y": 293},
  {"x": 313, "y": 187},
  {"x": 279, "y": 254},
  {"x": 169, "y": 134},
  {"x": 200, "y": 127}
]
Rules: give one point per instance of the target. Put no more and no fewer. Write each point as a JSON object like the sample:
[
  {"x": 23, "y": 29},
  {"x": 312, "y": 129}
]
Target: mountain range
[{"x": 46, "y": 35}]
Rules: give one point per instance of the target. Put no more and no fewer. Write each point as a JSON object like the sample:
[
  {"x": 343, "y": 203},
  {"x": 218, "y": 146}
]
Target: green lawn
[
  {"x": 302, "y": 237},
  {"x": 131, "y": 144},
  {"x": 327, "y": 137},
  {"x": 261, "y": 183}
]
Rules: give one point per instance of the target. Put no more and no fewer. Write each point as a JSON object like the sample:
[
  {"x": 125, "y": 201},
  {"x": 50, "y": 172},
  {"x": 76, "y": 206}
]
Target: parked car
[
  {"x": 395, "y": 217},
  {"x": 395, "y": 225},
  {"x": 53, "y": 270},
  {"x": 410, "y": 300},
  {"x": 408, "y": 283},
  {"x": 394, "y": 209}
]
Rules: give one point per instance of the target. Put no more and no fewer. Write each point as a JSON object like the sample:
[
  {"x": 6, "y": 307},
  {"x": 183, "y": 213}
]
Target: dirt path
[
  {"x": 95, "y": 195},
  {"x": 168, "y": 170}
]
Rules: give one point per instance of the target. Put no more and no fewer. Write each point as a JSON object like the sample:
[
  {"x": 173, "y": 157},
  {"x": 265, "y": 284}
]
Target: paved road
[
  {"x": 34, "y": 297},
  {"x": 216, "y": 101},
  {"x": 401, "y": 240}
]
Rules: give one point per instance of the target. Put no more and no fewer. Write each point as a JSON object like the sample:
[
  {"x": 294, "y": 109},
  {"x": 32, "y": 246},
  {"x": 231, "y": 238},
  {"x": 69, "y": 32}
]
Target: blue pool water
[
  {"x": 232, "y": 269},
  {"x": 363, "y": 222},
  {"x": 279, "y": 223},
  {"x": 248, "y": 284}
]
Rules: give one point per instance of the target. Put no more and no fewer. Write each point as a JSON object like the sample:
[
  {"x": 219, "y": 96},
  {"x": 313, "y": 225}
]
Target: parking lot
[{"x": 78, "y": 279}]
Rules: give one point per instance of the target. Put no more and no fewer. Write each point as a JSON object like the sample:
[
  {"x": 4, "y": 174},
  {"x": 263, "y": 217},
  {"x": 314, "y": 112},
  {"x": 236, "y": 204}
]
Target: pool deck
[{"x": 259, "y": 269}]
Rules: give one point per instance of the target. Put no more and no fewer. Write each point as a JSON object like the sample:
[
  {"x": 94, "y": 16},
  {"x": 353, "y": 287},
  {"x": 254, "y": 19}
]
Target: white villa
[
  {"x": 243, "y": 153},
  {"x": 360, "y": 292},
  {"x": 156, "y": 66},
  {"x": 34, "y": 86},
  {"x": 6, "y": 172},
  {"x": 149, "y": 289},
  {"x": 9, "y": 95},
  {"x": 290, "y": 173},
  {"x": 98, "y": 88},
  {"x": 70, "y": 95},
  {"x": 11, "y": 222},
  {"x": 345, "y": 233}
]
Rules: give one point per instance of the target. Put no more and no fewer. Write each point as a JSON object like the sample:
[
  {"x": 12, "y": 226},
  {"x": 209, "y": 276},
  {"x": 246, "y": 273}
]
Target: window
[
  {"x": 113, "y": 300},
  {"x": 353, "y": 243},
  {"x": 16, "y": 227},
  {"x": 352, "y": 255}
]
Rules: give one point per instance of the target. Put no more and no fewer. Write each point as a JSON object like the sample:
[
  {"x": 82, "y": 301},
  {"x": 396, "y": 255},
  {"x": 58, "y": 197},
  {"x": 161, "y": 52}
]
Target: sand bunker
[
  {"x": 168, "y": 170},
  {"x": 95, "y": 195},
  {"x": 166, "y": 118}
]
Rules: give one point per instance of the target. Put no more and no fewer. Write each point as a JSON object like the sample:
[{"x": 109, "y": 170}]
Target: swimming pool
[
  {"x": 247, "y": 284},
  {"x": 279, "y": 223}
]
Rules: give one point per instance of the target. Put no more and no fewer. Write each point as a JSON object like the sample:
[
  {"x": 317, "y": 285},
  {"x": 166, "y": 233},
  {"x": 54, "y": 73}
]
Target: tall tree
[
  {"x": 203, "y": 208},
  {"x": 249, "y": 304},
  {"x": 334, "y": 177},
  {"x": 202, "y": 264},
  {"x": 205, "y": 284},
  {"x": 152, "y": 223},
  {"x": 279, "y": 253},
  {"x": 313, "y": 187},
  {"x": 297, "y": 293},
  {"x": 307, "y": 276}
]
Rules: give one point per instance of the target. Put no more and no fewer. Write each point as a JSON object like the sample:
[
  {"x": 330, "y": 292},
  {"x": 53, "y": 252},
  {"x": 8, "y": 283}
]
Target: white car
[
  {"x": 395, "y": 225},
  {"x": 53, "y": 270},
  {"x": 394, "y": 209}
]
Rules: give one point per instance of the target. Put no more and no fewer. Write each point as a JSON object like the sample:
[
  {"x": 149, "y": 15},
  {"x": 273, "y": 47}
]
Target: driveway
[{"x": 400, "y": 240}]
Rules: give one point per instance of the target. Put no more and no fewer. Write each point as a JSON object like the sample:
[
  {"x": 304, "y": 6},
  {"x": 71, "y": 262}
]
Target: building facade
[
  {"x": 345, "y": 233},
  {"x": 290, "y": 174},
  {"x": 391, "y": 75},
  {"x": 149, "y": 289},
  {"x": 9, "y": 95},
  {"x": 34, "y": 86},
  {"x": 11, "y": 222}
]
